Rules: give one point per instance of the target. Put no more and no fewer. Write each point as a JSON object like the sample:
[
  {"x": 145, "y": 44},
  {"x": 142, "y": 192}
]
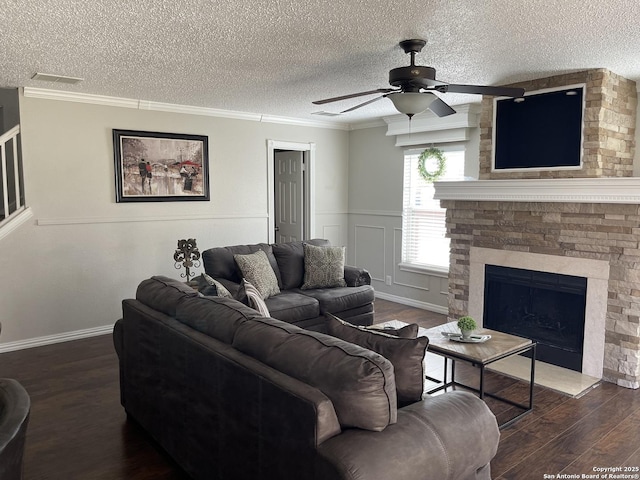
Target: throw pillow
[
  {"x": 323, "y": 267},
  {"x": 360, "y": 383},
  {"x": 257, "y": 270},
  {"x": 210, "y": 287},
  {"x": 405, "y": 354},
  {"x": 290, "y": 259},
  {"x": 255, "y": 299}
]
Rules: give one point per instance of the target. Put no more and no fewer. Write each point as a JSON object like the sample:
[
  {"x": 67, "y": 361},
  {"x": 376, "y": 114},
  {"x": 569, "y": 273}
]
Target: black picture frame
[{"x": 160, "y": 167}]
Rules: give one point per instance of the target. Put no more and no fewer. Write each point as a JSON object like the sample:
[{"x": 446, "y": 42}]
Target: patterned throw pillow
[
  {"x": 213, "y": 288},
  {"x": 257, "y": 270},
  {"x": 323, "y": 267},
  {"x": 255, "y": 299}
]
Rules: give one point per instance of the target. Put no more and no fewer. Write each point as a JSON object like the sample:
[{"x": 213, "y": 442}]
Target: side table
[{"x": 499, "y": 346}]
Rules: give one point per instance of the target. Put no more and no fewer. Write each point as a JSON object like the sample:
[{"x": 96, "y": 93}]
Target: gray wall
[
  {"x": 70, "y": 267},
  {"x": 375, "y": 221}
]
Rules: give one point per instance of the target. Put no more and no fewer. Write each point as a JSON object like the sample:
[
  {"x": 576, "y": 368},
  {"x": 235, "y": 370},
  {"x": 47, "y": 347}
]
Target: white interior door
[{"x": 289, "y": 196}]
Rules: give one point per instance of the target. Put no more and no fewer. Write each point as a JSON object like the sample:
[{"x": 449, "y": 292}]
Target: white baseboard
[
  {"x": 413, "y": 303},
  {"x": 94, "y": 332},
  {"x": 58, "y": 338}
]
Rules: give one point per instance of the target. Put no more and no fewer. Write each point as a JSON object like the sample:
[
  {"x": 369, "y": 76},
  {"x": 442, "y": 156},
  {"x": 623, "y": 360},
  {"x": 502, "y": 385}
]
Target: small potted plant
[{"x": 466, "y": 325}]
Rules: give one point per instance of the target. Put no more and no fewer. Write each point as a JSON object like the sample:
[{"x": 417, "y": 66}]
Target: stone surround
[
  {"x": 609, "y": 232},
  {"x": 595, "y": 271},
  {"x": 592, "y": 213},
  {"x": 609, "y": 126}
]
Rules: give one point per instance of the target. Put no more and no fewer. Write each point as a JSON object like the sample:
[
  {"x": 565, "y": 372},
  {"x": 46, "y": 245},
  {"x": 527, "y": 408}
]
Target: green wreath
[{"x": 428, "y": 154}]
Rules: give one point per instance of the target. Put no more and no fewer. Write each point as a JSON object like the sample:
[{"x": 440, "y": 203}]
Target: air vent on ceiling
[
  {"x": 326, "y": 114},
  {"x": 47, "y": 77}
]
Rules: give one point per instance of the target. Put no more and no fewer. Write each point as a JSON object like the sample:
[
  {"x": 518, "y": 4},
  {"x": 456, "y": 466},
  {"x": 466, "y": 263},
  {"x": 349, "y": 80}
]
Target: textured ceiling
[{"x": 275, "y": 57}]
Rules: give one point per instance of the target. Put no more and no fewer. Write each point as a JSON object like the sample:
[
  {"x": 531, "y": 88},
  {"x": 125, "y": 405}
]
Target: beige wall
[
  {"x": 375, "y": 221},
  {"x": 69, "y": 268}
]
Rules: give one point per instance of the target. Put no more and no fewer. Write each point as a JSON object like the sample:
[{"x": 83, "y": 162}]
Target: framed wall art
[{"x": 160, "y": 167}]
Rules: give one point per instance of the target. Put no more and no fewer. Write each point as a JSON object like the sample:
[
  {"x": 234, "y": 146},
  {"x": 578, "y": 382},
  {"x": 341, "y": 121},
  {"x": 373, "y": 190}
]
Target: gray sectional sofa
[
  {"x": 304, "y": 308},
  {"x": 229, "y": 394}
]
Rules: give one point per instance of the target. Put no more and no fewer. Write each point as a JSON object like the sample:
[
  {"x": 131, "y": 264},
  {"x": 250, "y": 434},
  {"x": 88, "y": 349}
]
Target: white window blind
[{"x": 424, "y": 243}]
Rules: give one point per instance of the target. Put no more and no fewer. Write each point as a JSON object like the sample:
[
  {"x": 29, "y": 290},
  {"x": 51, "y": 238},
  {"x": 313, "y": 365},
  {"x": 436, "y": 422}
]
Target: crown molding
[
  {"x": 368, "y": 124},
  {"x": 573, "y": 190},
  {"x": 61, "y": 95},
  {"x": 49, "y": 94},
  {"x": 304, "y": 123}
]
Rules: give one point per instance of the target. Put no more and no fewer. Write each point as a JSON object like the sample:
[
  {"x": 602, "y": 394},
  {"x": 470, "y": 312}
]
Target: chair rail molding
[{"x": 43, "y": 222}]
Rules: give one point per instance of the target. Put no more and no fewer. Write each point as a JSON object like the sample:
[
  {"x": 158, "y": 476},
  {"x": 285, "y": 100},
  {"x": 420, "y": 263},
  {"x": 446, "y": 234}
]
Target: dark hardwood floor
[{"x": 78, "y": 430}]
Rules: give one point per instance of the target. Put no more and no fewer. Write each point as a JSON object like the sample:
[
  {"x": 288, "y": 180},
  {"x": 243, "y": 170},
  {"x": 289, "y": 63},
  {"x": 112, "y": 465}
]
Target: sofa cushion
[
  {"x": 359, "y": 382},
  {"x": 323, "y": 267},
  {"x": 163, "y": 293},
  {"x": 292, "y": 307},
  {"x": 219, "y": 262},
  {"x": 257, "y": 270},
  {"x": 255, "y": 298},
  {"x": 334, "y": 300},
  {"x": 217, "y": 317},
  {"x": 406, "y": 355},
  {"x": 290, "y": 258}
]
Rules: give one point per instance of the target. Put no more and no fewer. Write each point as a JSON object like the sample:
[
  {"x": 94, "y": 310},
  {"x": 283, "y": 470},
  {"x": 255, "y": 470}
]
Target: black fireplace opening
[{"x": 546, "y": 307}]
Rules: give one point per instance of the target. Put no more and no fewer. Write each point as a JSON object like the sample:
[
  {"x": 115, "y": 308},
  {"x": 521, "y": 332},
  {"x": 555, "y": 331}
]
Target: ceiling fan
[{"x": 415, "y": 84}]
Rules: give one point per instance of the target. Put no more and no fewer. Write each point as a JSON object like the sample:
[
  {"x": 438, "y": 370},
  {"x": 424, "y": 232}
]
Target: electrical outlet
[{"x": 388, "y": 280}]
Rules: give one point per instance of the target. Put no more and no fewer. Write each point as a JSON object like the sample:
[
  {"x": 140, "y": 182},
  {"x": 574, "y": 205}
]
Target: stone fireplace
[
  {"x": 595, "y": 271},
  {"x": 584, "y": 223},
  {"x": 547, "y": 307},
  {"x": 599, "y": 241}
]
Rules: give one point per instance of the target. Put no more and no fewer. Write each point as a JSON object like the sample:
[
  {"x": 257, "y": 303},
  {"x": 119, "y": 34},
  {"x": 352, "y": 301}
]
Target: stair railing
[{"x": 11, "y": 200}]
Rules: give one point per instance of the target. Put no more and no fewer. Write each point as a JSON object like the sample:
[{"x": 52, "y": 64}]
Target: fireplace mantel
[{"x": 577, "y": 190}]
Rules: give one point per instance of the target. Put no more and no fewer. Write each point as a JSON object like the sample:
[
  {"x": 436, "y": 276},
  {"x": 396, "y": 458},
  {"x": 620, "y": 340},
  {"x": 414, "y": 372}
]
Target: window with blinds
[{"x": 424, "y": 243}]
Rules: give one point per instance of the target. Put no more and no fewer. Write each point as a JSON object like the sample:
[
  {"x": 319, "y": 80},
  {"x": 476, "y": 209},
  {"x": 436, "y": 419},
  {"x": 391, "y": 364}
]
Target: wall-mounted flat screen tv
[{"x": 542, "y": 130}]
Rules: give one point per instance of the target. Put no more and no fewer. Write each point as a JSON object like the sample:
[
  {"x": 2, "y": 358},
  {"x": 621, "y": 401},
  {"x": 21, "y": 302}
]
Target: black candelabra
[{"x": 187, "y": 255}]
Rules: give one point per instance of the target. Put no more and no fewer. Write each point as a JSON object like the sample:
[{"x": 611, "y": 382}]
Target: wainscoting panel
[
  {"x": 375, "y": 243},
  {"x": 331, "y": 226},
  {"x": 433, "y": 286},
  {"x": 333, "y": 233},
  {"x": 369, "y": 250}
]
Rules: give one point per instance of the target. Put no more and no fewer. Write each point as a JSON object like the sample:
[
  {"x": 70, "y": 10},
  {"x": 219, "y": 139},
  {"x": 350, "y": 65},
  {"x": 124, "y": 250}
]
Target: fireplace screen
[{"x": 546, "y": 307}]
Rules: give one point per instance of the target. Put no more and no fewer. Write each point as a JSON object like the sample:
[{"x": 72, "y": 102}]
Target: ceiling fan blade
[
  {"x": 486, "y": 90},
  {"x": 363, "y": 104},
  {"x": 353, "y": 95},
  {"x": 440, "y": 108}
]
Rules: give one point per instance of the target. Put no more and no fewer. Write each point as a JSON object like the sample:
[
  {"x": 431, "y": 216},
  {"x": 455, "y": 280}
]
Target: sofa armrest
[
  {"x": 450, "y": 437},
  {"x": 356, "y": 277}
]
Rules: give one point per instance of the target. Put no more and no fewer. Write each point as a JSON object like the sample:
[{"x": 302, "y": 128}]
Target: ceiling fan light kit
[
  {"x": 414, "y": 85},
  {"x": 411, "y": 103}
]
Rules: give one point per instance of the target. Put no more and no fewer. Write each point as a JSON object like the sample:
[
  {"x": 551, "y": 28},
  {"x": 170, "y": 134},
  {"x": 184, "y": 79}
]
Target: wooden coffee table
[{"x": 499, "y": 346}]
